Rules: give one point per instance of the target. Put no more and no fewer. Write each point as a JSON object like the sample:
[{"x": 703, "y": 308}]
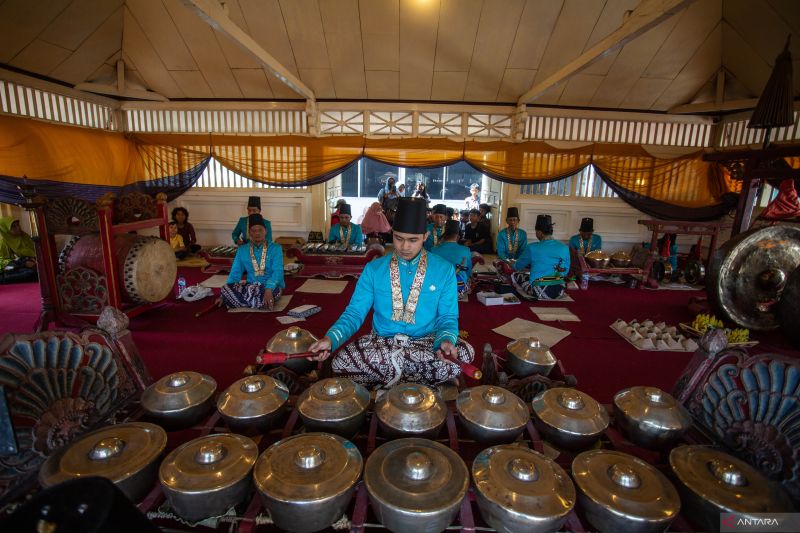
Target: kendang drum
[{"x": 145, "y": 265}]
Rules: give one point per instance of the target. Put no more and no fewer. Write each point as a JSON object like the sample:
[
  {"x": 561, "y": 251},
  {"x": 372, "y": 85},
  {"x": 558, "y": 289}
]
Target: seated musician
[
  {"x": 415, "y": 314},
  {"x": 176, "y": 241},
  {"x": 346, "y": 232},
  {"x": 548, "y": 260},
  {"x": 262, "y": 261},
  {"x": 335, "y": 215},
  {"x": 458, "y": 255},
  {"x": 435, "y": 229},
  {"x": 511, "y": 241},
  {"x": 476, "y": 234},
  {"x": 242, "y": 230},
  {"x": 586, "y": 240},
  {"x": 181, "y": 217},
  {"x": 17, "y": 253}
]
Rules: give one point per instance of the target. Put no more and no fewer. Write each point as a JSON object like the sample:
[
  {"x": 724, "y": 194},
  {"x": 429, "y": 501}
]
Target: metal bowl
[
  {"x": 207, "y": 476},
  {"x": 306, "y": 481},
  {"x": 597, "y": 259},
  {"x": 621, "y": 259},
  {"x": 334, "y": 405},
  {"x": 650, "y": 417},
  {"x": 126, "y": 454},
  {"x": 411, "y": 410},
  {"x": 491, "y": 414},
  {"x": 293, "y": 340},
  {"x": 529, "y": 356},
  {"x": 179, "y": 400},
  {"x": 518, "y": 489},
  {"x": 569, "y": 418},
  {"x": 712, "y": 482},
  {"x": 619, "y": 492},
  {"x": 415, "y": 485},
  {"x": 251, "y": 404}
]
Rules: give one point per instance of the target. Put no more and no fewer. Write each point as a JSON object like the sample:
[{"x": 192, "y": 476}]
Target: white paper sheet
[
  {"x": 322, "y": 286},
  {"x": 215, "y": 282},
  {"x": 289, "y": 319},
  {"x": 520, "y": 328},
  {"x": 555, "y": 313},
  {"x": 279, "y": 306}
]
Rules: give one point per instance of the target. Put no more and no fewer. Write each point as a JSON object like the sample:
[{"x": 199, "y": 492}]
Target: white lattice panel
[
  {"x": 446, "y": 124},
  {"x": 485, "y": 125},
  {"x": 391, "y": 123},
  {"x": 342, "y": 122},
  {"x": 736, "y": 133},
  {"x": 25, "y": 101},
  {"x": 272, "y": 122}
]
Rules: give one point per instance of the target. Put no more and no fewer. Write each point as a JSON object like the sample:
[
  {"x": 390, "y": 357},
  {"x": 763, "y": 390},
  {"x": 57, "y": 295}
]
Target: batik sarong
[
  {"x": 373, "y": 361},
  {"x": 246, "y": 295},
  {"x": 522, "y": 284}
]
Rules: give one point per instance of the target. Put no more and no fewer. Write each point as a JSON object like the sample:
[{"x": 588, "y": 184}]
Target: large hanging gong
[
  {"x": 748, "y": 273},
  {"x": 788, "y": 309}
]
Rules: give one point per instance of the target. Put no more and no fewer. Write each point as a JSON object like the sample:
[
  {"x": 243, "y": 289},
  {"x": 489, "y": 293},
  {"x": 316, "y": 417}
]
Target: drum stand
[{"x": 94, "y": 290}]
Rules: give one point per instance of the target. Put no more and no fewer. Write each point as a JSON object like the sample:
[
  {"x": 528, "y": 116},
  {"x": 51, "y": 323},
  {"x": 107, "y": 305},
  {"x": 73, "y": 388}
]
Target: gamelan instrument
[
  {"x": 251, "y": 404},
  {"x": 491, "y": 414},
  {"x": 569, "y": 418},
  {"x": 650, "y": 417},
  {"x": 293, "y": 342},
  {"x": 146, "y": 265},
  {"x": 179, "y": 400},
  {"x": 334, "y": 405},
  {"x": 411, "y": 410},
  {"x": 748, "y": 274}
]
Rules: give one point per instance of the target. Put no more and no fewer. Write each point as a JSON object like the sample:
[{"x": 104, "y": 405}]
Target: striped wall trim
[{"x": 23, "y": 101}]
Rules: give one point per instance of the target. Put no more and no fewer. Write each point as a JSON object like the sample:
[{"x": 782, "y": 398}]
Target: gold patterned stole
[
  {"x": 342, "y": 239},
  {"x": 512, "y": 245},
  {"x": 406, "y": 313},
  {"x": 258, "y": 270}
]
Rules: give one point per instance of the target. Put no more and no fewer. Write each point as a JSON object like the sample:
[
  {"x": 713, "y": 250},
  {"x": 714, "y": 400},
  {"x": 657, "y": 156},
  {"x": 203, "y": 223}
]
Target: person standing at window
[{"x": 474, "y": 199}]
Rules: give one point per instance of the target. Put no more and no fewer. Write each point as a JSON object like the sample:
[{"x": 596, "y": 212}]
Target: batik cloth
[
  {"x": 246, "y": 295},
  {"x": 375, "y": 361},
  {"x": 531, "y": 291}
]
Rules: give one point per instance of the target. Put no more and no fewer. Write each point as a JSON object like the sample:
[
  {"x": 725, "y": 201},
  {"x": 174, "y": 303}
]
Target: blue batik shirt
[
  {"x": 596, "y": 243},
  {"x": 432, "y": 229},
  {"x": 356, "y": 236},
  {"x": 456, "y": 254},
  {"x": 240, "y": 231},
  {"x": 503, "y": 251},
  {"x": 437, "y": 308},
  {"x": 545, "y": 258},
  {"x": 273, "y": 271}
]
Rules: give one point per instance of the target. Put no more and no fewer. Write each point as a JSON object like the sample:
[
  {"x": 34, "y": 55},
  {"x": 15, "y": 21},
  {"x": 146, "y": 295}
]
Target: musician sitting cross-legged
[
  {"x": 345, "y": 232},
  {"x": 262, "y": 261},
  {"x": 548, "y": 260},
  {"x": 412, "y": 295},
  {"x": 457, "y": 254}
]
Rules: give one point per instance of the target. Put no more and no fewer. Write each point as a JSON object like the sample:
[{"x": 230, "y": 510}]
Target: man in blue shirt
[
  {"x": 511, "y": 241},
  {"x": 263, "y": 264},
  {"x": 586, "y": 241},
  {"x": 435, "y": 229},
  {"x": 242, "y": 231},
  {"x": 415, "y": 314},
  {"x": 344, "y": 232},
  {"x": 548, "y": 260},
  {"x": 457, "y": 254}
]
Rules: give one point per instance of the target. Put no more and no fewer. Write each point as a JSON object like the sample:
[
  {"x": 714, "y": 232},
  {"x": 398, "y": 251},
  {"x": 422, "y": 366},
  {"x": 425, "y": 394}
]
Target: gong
[
  {"x": 788, "y": 309},
  {"x": 747, "y": 275},
  {"x": 695, "y": 272}
]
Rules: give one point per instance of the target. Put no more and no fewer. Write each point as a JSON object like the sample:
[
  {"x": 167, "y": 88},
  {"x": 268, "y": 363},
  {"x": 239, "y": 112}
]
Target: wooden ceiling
[{"x": 421, "y": 50}]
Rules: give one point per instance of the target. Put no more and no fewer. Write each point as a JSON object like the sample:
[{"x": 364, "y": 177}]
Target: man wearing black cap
[
  {"x": 511, "y": 241},
  {"x": 476, "y": 234},
  {"x": 415, "y": 314},
  {"x": 242, "y": 231},
  {"x": 586, "y": 240},
  {"x": 344, "y": 232},
  {"x": 263, "y": 264},
  {"x": 548, "y": 260},
  {"x": 435, "y": 229}
]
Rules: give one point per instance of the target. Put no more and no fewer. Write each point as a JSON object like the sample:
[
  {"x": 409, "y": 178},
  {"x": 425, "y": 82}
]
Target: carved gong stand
[{"x": 110, "y": 216}]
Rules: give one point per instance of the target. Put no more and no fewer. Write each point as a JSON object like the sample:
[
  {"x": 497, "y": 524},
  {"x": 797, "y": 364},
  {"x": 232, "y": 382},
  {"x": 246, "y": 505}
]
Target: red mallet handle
[
  {"x": 276, "y": 358},
  {"x": 469, "y": 370}
]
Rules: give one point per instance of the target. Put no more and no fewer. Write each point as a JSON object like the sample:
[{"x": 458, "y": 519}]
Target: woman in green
[{"x": 17, "y": 253}]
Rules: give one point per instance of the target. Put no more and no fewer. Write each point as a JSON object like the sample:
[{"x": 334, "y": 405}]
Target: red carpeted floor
[{"x": 222, "y": 344}]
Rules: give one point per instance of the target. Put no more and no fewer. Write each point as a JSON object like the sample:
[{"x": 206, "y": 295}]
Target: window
[
  {"x": 218, "y": 177},
  {"x": 373, "y": 177},
  {"x": 586, "y": 184}
]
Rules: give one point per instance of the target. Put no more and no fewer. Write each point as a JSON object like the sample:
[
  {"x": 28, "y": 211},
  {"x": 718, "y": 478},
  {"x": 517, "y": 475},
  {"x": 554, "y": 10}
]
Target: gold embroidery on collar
[{"x": 406, "y": 313}]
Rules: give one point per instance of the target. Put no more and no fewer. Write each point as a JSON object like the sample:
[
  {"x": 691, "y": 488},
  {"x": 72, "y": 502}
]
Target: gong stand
[
  {"x": 682, "y": 227},
  {"x": 74, "y": 216},
  {"x": 753, "y": 168}
]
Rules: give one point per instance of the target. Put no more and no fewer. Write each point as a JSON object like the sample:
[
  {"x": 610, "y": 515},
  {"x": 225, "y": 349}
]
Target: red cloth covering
[
  {"x": 374, "y": 221},
  {"x": 786, "y": 205}
]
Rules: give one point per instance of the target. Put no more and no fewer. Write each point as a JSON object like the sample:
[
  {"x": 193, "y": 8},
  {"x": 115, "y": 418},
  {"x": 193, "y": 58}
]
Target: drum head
[
  {"x": 748, "y": 273},
  {"x": 150, "y": 270}
]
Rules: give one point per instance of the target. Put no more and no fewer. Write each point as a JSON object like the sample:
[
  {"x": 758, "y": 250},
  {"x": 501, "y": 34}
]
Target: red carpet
[{"x": 222, "y": 344}]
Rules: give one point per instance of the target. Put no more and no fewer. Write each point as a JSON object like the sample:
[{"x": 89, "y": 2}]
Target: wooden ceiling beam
[
  {"x": 214, "y": 15},
  {"x": 710, "y": 107},
  {"x": 648, "y": 13}
]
